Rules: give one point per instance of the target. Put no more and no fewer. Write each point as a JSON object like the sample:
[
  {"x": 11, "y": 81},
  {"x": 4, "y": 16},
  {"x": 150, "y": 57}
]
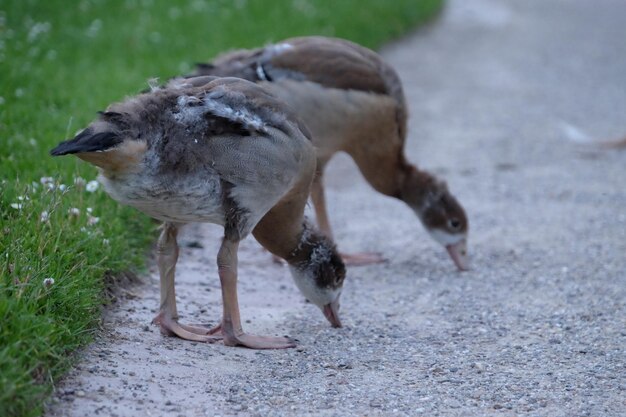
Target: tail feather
[{"x": 87, "y": 141}]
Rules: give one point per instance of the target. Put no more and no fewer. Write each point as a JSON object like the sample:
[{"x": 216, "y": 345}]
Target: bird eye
[
  {"x": 338, "y": 279},
  {"x": 454, "y": 224}
]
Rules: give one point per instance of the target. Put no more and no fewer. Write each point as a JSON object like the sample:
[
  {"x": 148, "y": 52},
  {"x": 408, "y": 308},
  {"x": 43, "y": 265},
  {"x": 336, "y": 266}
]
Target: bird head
[{"x": 319, "y": 273}]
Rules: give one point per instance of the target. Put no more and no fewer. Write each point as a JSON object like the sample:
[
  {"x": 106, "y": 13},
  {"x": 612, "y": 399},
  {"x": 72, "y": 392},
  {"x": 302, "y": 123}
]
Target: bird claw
[
  {"x": 171, "y": 327},
  {"x": 259, "y": 342}
]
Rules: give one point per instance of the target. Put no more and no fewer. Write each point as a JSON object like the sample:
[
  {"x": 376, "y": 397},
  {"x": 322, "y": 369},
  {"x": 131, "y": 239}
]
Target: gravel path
[{"x": 502, "y": 93}]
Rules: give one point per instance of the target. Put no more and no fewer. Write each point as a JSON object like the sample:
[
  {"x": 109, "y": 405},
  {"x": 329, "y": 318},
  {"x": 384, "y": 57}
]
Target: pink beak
[
  {"x": 458, "y": 253},
  {"x": 331, "y": 311}
]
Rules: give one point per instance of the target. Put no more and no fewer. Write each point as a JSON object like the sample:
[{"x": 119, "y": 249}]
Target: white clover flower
[
  {"x": 89, "y": 210},
  {"x": 92, "y": 186},
  {"x": 91, "y": 220},
  {"x": 48, "y": 282},
  {"x": 17, "y": 206},
  {"x": 62, "y": 187},
  {"x": 44, "y": 216},
  {"x": 74, "y": 212},
  {"x": 37, "y": 29},
  {"x": 79, "y": 182},
  {"x": 94, "y": 28},
  {"x": 46, "y": 180}
]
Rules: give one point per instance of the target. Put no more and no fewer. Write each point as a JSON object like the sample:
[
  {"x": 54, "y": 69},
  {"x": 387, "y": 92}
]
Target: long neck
[
  {"x": 285, "y": 233},
  {"x": 312, "y": 245},
  {"x": 280, "y": 230},
  {"x": 415, "y": 188},
  {"x": 370, "y": 127},
  {"x": 279, "y": 234}
]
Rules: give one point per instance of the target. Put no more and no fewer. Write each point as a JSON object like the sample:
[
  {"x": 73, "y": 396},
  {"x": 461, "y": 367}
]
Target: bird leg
[
  {"x": 167, "y": 319},
  {"x": 231, "y": 329},
  {"x": 362, "y": 258},
  {"x": 319, "y": 203},
  {"x": 321, "y": 214}
]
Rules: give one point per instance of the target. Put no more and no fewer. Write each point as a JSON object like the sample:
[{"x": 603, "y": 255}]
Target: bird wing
[
  {"x": 330, "y": 62},
  {"x": 250, "y": 105},
  {"x": 233, "y": 120},
  {"x": 333, "y": 63}
]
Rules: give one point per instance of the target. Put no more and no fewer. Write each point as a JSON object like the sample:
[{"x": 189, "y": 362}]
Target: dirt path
[{"x": 501, "y": 94}]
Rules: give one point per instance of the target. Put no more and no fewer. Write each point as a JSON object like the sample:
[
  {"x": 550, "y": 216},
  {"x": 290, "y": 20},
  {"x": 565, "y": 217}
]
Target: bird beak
[
  {"x": 458, "y": 253},
  {"x": 331, "y": 311}
]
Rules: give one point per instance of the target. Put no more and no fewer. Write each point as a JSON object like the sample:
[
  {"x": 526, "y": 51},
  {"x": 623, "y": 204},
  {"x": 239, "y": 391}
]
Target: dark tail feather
[
  {"x": 204, "y": 66},
  {"x": 87, "y": 141}
]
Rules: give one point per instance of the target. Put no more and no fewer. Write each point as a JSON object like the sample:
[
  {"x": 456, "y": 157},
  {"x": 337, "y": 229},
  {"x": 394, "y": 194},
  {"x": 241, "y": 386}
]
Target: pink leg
[
  {"x": 321, "y": 214},
  {"x": 365, "y": 258},
  {"x": 167, "y": 319},
  {"x": 231, "y": 329}
]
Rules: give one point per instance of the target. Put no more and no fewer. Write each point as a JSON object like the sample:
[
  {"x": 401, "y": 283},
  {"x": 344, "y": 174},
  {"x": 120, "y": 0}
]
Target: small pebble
[
  {"x": 479, "y": 367},
  {"x": 453, "y": 403},
  {"x": 375, "y": 404}
]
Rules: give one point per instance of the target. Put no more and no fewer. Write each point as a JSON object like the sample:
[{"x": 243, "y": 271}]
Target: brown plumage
[
  {"x": 222, "y": 151},
  {"x": 351, "y": 101}
]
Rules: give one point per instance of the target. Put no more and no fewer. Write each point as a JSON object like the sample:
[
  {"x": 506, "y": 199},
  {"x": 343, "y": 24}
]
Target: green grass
[{"x": 60, "y": 62}]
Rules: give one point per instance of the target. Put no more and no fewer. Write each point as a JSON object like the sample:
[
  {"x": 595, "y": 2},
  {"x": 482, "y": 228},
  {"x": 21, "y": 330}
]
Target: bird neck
[
  {"x": 312, "y": 247},
  {"x": 415, "y": 188}
]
